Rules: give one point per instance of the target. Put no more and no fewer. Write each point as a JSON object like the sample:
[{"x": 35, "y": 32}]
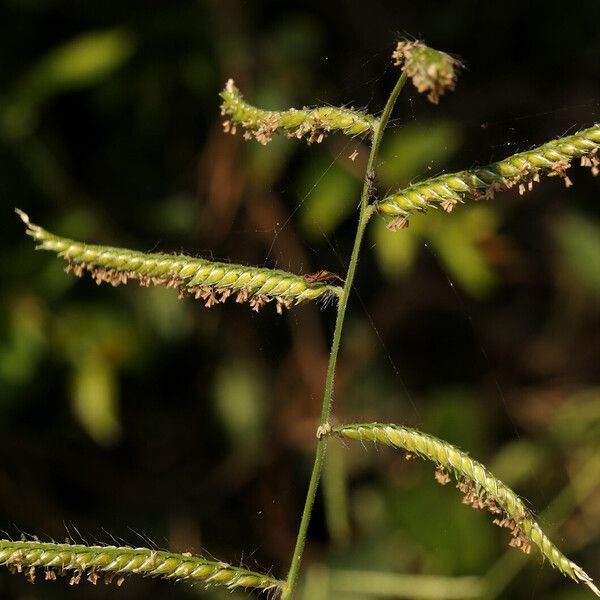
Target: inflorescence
[
  {"x": 431, "y": 71},
  {"x": 311, "y": 123},
  {"x": 481, "y": 489},
  {"x": 522, "y": 170},
  {"x": 213, "y": 282},
  {"x": 111, "y": 563}
]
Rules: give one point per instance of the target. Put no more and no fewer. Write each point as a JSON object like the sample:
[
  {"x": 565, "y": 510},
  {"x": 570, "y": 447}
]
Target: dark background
[{"x": 125, "y": 413}]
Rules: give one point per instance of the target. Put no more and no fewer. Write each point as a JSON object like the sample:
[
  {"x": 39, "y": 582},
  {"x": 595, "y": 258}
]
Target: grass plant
[{"x": 433, "y": 73}]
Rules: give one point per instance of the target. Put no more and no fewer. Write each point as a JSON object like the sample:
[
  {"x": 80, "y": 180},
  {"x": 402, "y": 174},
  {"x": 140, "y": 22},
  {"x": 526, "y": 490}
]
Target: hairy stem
[{"x": 366, "y": 210}]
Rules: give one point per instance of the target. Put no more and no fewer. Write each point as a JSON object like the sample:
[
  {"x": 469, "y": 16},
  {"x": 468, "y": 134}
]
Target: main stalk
[{"x": 366, "y": 210}]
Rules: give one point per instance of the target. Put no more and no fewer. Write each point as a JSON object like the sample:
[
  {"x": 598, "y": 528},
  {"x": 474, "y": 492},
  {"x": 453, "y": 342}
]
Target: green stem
[{"x": 366, "y": 210}]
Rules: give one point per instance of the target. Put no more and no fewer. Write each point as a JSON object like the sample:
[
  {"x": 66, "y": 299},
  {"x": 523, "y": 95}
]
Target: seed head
[
  {"x": 209, "y": 281},
  {"x": 520, "y": 170},
  {"x": 480, "y": 488},
  {"x": 431, "y": 71},
  {"x": 313, "y": 124}
]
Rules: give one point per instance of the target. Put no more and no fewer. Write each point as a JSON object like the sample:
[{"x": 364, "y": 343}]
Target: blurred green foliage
[
  {"x": 579, "y": 249},
  {"x": 83, "y": 61},
  {"x": 125, "y": 410}
]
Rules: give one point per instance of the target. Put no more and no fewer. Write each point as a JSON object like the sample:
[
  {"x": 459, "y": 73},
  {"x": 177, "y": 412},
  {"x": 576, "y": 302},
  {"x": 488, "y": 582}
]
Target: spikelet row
[
  {"x": 310, "y": 123},
  {"x": 480, "y": 488},
  {"x": 213, "y": 282},
  {"x": 108, "y": 563},
  {"x": 521, "y": 170}
]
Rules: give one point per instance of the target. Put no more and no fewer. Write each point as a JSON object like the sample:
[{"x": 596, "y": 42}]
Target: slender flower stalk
[
  {"x": 97, "y": 563},
  {"x": 522, "y": 170},
  {"x": 481, "y": 489},
  {"x": 311, "y": 123},
  {"x": 366, "y": 211},
  {"x": 213, "y": 282}
]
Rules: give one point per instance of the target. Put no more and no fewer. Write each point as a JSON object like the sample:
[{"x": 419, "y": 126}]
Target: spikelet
[
  {"x": 111, "y": 562},
  {"x": 480, "y": 488},
  {"x": 310, "y": 123},
  {"x": 522, "y": 170},
  {"x": 213, "y": 282},
  {"x": 430, "y": 70}
]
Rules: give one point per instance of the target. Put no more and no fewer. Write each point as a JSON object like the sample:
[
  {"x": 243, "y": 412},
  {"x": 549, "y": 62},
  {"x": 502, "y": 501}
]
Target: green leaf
[
  {"x": 240, "y": 400},
  {"x": 80, "y": 62},
  {"x": 332, "y": 195},
  {"x": 518, "y": 461},
  {"x": 395, "y": 252},
  {"x": 95, "y": 342},
  {"x": 579, "y": 241},
  {"x": 408, "y": 152},
  {"x": 94, "y": 398},
  {"x": 456, "y": 242},
  {"x": 24, "y": 342}
]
